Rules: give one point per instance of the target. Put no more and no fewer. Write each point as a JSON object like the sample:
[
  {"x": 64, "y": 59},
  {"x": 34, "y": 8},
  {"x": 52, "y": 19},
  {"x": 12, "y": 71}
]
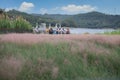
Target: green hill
[
  {"x": 86, "y": 20},
  {"x": 97, "y": 20},
  {"x": 33, "y": 19}
]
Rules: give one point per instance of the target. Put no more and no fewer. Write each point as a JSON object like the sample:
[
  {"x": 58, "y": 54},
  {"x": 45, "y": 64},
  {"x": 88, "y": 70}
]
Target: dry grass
[{"x": 55, "y": 72}]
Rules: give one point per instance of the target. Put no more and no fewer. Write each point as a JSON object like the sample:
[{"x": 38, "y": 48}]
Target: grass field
[
  {"x": 113, "y": 32},
  {"x": 59, "y": 57}
]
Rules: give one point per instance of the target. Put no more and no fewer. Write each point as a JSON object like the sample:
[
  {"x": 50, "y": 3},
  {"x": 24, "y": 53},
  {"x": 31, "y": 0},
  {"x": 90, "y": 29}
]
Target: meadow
[{"x": 59, "y": 57}]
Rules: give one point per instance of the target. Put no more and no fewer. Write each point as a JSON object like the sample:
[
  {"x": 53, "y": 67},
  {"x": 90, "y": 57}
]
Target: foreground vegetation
[
  {"x": 113, "y": 32},
  {"x": 13, "y": 24},
  {"x": 68, "y": 57}
]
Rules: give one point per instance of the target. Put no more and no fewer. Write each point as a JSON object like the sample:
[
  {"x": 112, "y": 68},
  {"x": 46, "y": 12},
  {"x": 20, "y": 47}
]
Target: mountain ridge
[{"x": 85, "y": 20}]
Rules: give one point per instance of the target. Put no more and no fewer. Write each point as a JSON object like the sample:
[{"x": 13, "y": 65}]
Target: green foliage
[
  {"x": 96, "y": 20},
  {"x": 33, "y": 19},
  {"x": 4, "y": 24},
  {"x": 113, "y": 32},
  {"x": 47, "y": 61},
  {"x": 13, "y": 25},
  {"x": 69, "y": 22},
  {"x": 21, "y": 25}
]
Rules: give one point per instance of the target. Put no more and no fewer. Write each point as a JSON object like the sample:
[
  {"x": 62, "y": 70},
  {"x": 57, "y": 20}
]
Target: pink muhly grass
[
  {"x": 41, "y": 38},
  {"x": 10, "y": 67}
]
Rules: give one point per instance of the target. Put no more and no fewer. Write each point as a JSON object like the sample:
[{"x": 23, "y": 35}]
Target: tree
[{"x": 69, "y": 23}]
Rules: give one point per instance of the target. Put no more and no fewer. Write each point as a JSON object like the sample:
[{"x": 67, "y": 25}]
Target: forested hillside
[
  {"x": 86, "y": 20},
  {"x": 97, "y": 20},
  {"x": 31, "y": 18}
]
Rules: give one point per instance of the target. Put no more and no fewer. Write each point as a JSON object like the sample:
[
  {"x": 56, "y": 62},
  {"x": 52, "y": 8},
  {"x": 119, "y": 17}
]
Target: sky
[{"x": 62, "y": 6}]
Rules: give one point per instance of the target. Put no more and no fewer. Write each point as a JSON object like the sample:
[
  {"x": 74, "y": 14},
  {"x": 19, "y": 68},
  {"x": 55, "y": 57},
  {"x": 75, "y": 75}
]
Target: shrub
[
  {"x": 18, "y": 25},
  {"x": 21, "y": 25},
  {"x": 5, "y": 25}
]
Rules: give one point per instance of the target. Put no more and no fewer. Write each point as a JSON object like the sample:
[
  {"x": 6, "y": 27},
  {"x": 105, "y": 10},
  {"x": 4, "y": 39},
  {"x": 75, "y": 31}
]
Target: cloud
[
  {"x": 78, "y": 8},
  {"x": 43, "y": 10},
  {"x": 8, "y": 9},
  {"x": 26, "y": 6},
  {"x": 56, "y": 8}
]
